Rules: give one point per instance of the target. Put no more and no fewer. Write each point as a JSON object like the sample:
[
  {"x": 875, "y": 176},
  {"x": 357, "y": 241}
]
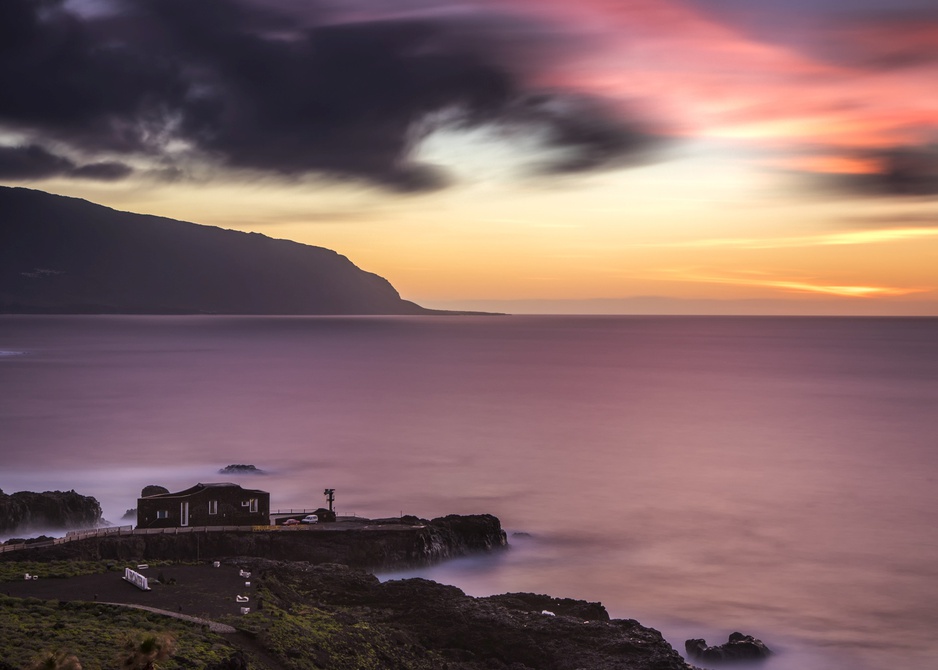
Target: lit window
[
  {"x": 162, "y": 514},
  {"x": 213, "y": 507},
  {"x": 253, "y": 503}
]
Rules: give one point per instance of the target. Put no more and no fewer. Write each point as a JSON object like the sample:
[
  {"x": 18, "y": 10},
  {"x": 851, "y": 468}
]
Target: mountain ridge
[{"x": 62, "y": 255}]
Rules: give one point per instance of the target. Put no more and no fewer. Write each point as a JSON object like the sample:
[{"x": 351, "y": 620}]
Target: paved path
[{"x": 213, "y": 626}]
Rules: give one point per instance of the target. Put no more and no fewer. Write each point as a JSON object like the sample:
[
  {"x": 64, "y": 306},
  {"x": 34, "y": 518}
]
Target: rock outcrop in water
[
  {"x": 50, "y": 510},
  {"x": 241, "y": 469},
  {"x": 739, "y": 648}
]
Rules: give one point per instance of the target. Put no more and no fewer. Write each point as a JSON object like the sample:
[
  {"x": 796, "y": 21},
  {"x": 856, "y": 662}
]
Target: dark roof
[{"x": 198, "y": 487}]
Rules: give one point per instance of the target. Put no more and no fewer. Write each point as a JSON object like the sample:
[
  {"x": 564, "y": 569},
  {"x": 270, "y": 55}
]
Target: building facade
[{"x": 223, "y": 504}]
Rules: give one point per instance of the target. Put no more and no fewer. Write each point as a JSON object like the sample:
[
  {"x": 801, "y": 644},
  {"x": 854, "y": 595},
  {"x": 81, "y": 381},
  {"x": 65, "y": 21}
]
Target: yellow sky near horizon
[{"x": 731, "y": 236}]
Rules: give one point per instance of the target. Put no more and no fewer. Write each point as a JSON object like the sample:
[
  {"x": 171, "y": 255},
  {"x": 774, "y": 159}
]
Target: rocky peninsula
[{"x": 313, "y": 604}]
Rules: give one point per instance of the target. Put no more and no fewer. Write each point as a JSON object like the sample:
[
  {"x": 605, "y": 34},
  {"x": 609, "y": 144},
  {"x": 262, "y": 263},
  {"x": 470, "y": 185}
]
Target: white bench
[{"x": 136, "y": 579}]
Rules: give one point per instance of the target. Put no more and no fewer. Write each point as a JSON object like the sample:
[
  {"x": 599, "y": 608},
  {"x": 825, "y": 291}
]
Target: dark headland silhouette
[{"x": 62, "y": 255}]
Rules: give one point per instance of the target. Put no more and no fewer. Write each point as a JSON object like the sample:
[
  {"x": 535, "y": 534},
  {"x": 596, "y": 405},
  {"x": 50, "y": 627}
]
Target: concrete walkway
[{"x": 213, "y": 626}]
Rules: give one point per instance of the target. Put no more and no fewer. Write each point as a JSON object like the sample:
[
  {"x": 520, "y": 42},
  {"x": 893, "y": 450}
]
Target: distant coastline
[{"x": 61, "y": 255}]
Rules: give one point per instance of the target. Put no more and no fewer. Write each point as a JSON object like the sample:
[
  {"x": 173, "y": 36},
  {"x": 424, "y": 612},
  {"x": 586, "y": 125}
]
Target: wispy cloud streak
[
  {"x": 795, "y": 286},
  {"x": 825, "y": 239}
]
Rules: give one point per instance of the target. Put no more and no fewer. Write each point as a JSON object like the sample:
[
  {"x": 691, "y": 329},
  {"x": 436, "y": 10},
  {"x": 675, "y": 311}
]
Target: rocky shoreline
[
  {"x": 305, "y": 616},
  {"x": 424, "y": 624},
  {"x": 25, "y": 511}
]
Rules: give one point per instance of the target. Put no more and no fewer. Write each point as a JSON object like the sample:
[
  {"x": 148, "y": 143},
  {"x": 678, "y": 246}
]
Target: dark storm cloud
[
  {"x": 35, "y": 162},
  {"x": 103, "y": 171},
  {"x": 63, "y": 78},
  {"x": 245, "y": 87},
  {"x": 588, "y": 134}
]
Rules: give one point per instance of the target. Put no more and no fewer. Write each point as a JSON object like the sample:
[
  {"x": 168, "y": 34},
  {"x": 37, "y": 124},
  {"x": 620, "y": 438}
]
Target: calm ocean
[{"x": 703, "y": 475}]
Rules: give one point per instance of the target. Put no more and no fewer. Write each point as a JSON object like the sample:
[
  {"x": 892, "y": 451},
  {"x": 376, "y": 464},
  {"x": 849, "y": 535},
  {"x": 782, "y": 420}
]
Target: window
[
  {"x": 213, "y": 507},
  {"x": 162, "y": 514},
  {"x": 253, "y": 504}
]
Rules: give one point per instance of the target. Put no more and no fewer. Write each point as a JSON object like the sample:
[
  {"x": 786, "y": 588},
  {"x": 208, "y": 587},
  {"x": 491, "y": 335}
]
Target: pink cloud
[{"x": 850, "y": 86}]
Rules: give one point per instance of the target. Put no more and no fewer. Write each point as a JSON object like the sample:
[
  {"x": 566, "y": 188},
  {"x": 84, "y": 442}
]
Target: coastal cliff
[
  {"x": 26, "y": 511},
  {"x": 63, "y": 255}
]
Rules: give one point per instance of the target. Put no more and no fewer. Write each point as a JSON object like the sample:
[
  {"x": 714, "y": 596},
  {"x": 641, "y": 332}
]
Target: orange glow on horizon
[{"x": 799, "y": 286}]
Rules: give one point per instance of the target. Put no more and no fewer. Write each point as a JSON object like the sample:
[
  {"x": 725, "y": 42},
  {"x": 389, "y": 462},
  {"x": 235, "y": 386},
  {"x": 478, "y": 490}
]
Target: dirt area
[{"x": 199, "y": 590}]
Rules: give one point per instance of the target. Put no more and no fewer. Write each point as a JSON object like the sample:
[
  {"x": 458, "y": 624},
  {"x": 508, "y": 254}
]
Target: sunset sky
[{"x": 714, "y": 156}]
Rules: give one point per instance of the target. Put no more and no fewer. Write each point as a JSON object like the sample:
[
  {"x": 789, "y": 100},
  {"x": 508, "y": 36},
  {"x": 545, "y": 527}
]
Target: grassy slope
[
  {"x": 295, "y": 636},
  {"x": 97, "y": 634}
]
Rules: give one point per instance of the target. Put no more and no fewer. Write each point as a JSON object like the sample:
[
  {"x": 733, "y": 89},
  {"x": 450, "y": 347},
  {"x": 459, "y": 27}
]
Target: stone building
[{"x": 222, "y": 504}]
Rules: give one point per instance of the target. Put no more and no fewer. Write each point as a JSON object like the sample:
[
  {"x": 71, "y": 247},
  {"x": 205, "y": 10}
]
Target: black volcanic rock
[
  {"x": 739, "y": 648},
  {"x": 533, "y": 602},
  {"x": 63, "y": 510},
  {"x": 241, "y": 469},
  {"x": 466, "y": 533},
  {"x": 65, "y": 255},
  {"x": 432, "y": 620}
]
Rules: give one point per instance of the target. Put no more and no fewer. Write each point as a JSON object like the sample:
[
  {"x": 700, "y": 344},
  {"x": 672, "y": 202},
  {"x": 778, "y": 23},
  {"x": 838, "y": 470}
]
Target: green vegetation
[
  {"x": 144, "y": 652},
  {"x": 57, "y": 660},
  {"x": 13, "y": 571},
  {"x": 50, "y": 634},
  {"x": 98, "y": 635},
  {"x": 304, "y": 637}
]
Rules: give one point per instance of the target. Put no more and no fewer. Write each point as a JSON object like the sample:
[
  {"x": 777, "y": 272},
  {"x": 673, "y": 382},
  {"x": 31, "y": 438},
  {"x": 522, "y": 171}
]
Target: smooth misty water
[{"x": 703, "y": 475}]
